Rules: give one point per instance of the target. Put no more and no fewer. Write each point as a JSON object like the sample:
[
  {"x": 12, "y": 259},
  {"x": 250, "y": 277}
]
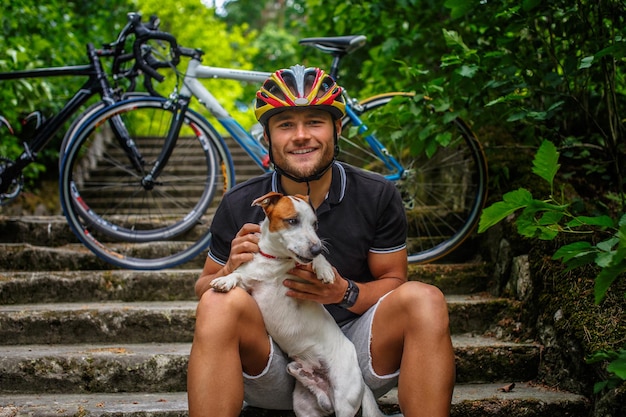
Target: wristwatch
[{"x": 349, "y": 298}]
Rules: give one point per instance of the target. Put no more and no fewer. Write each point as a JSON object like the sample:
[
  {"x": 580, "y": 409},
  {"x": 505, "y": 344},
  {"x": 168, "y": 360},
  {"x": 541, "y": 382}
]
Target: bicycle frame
[
  {"x": 192, "y": 86},
  {"x": 96, "y": 83}
]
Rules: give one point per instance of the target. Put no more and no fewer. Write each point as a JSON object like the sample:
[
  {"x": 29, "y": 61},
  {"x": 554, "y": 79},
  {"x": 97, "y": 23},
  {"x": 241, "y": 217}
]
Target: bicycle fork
[{"x": 180, "y": 107}]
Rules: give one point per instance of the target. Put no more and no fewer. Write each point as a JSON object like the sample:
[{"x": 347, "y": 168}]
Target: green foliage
[
  {"x": 531, "y": 70},
  {"x": 616, "y": 368},
  {"x": 545, "y": 219},
  {"x": 47, "y": 33}
]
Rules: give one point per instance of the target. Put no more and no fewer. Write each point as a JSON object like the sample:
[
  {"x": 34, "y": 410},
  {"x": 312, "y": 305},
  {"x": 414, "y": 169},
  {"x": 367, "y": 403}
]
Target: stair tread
[
  {"x": 175, "y": 403},
  {"x": 179, "y": 305},
  {"x": 182, "y": 348}
]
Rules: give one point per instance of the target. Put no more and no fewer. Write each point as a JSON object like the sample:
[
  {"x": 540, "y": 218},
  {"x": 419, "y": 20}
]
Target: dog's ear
[{"x": 267, "y": 199}]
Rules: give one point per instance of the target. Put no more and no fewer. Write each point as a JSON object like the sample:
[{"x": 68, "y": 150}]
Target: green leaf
[
  {"x": 453, "y": 38},
  {"x": 458, "y": 8},
  {"x": 604, "y": 280},
  {"x": 546, "y": 160},
  {"x": 550, "y": 218},
  {"x": 511, "y": 202},
  {"x": 607, "y": 245},
  {"x": 529, "y": 226},
  {"x": 586, "y": 62},
  {"x": 601, "y": 221},
  {"x": 573, "y": 250},
  {"x": 618, "y": 367},
  {"x": 598, "y": 387}
]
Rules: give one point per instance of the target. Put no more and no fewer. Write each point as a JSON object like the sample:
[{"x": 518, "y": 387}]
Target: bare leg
[
  {"x": 411, "y": 332},
  {"x": 229, "y": 338}
]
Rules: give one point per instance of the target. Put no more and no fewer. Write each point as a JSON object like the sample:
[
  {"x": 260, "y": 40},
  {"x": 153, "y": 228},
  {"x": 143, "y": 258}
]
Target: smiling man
[{"x": 399, "y": 328}]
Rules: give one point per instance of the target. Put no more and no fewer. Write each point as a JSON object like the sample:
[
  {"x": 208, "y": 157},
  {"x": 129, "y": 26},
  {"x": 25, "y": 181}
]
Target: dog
[{"x": 324, "y": 361}]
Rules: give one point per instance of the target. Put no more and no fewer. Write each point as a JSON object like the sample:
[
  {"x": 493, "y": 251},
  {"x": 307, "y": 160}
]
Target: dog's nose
[{"x": 316, "y": 249}]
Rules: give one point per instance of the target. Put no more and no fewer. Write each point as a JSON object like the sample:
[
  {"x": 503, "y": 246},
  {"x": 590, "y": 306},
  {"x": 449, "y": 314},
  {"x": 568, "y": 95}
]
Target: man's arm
[
  {"x": 242, "y": 249},
  {"x": 389, "y": 270}
]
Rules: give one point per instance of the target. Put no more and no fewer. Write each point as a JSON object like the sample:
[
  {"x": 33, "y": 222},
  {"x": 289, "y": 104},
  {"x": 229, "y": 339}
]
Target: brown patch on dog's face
[
  {"x": 282, "y": 214},
  {"x": 280, "y": 210}
]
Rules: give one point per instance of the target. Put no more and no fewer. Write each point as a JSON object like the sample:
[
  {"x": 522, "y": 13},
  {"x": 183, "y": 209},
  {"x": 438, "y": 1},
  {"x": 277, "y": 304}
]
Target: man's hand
[
  {"x": 243, "y": 247},
  {"x": 306, "y": 286}
]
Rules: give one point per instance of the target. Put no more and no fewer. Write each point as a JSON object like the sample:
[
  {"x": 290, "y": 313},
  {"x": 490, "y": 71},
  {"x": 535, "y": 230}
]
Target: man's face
[{"x": 302, "y": 140}]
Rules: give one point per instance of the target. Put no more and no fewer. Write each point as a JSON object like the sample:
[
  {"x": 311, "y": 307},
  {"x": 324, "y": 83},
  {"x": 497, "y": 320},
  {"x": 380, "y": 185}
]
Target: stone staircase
[{"x": 79, "y": 338}]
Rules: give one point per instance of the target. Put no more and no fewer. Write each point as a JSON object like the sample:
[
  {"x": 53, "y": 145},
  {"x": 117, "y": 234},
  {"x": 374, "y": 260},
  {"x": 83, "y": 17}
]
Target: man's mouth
[{"x": 302, "y": 151}]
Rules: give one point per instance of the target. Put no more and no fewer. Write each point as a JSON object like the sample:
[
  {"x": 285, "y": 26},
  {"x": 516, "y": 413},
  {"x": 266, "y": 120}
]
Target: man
[{"x": 400, "y": 328}]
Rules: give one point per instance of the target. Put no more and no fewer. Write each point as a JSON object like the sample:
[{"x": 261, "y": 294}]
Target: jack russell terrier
[{"x": 324, "y": 362}]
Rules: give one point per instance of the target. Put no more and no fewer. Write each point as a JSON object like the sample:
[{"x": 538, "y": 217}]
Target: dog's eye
[{"x": 293, "y": 222}]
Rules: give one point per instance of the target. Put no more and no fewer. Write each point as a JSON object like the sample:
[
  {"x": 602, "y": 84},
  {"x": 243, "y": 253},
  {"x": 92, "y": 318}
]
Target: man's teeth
[{"x": 302, "y": 151}]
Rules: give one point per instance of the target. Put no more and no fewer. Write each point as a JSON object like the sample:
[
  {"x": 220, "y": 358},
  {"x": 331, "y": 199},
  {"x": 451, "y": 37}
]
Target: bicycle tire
[
  {"x": 84, "y": 117},
  {"x": 114, "y": 215},
  {"x": 443, "y": 193}
]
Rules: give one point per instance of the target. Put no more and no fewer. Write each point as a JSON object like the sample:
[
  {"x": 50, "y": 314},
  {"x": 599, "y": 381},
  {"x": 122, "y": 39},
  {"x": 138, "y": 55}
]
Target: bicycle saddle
[{"x": 341, "y": 45}]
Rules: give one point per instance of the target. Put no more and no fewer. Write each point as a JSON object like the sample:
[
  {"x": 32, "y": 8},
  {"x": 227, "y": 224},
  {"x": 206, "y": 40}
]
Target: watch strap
[{"x": 350, "y": 296}]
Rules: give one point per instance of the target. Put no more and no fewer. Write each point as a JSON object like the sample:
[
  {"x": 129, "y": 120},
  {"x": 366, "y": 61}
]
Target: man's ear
[
  {"x": 338, "y": 126},
  {"x": 266, "y": 137}
]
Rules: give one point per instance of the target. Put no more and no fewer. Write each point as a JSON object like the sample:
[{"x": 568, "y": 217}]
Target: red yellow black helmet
[{"x": 298, "y": 87}]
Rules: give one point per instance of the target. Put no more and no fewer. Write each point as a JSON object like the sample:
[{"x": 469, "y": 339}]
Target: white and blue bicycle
[{"x": 137, "y": 187}]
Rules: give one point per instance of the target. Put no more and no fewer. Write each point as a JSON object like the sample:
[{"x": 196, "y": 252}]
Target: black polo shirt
[{"x": 362, "y": 213}]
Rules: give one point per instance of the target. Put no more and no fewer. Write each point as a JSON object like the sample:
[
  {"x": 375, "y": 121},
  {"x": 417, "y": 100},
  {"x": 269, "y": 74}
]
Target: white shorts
[{"x": 273, "y": 387}]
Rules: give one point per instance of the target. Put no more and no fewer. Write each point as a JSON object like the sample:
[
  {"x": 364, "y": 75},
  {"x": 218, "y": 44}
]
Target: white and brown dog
[{"x": 328, "y": 377}]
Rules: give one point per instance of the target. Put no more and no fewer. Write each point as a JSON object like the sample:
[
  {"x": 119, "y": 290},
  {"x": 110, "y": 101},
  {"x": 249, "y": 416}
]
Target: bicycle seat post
[{"x": 334, "y": 67}]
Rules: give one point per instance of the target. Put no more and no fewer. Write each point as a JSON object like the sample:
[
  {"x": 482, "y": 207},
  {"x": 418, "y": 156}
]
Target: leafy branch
[{"x": 545, "y": 219}]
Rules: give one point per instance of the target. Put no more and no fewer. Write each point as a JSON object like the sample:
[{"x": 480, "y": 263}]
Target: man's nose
[{"x": 301, "y": 130}]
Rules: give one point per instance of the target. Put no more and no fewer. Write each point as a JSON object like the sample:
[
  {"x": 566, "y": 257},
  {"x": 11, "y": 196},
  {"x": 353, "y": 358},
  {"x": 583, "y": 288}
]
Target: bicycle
[
  {"x": 443, "y": 193},
  {"x": 97, "y": 84}
]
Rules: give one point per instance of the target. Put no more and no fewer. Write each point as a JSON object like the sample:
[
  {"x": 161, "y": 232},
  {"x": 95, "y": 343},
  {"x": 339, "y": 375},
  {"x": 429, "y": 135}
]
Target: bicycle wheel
[
  {"x": 439, "y": 169},
  {"x": 84, "y": 117},
  {"x": 120, "y": 217}
]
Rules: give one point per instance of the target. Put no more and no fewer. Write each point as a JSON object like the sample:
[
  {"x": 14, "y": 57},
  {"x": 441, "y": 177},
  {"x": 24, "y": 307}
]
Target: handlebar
[
  {"x": 147, "y": 62},
  {"x": 142, "y": 54},
  {"x": 144, "y": 61}
]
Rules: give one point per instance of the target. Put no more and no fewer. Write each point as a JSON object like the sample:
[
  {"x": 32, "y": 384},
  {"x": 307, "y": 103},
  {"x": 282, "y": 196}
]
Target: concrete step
[
  {"x": 487, "y": 400},
  {"x": 53, "y": 231},
  {"x": 76, "y": 257},
  {"x": 156, "y": 367},
  {"x": 25, "y": 287},
  {"x": 170, "y": 320},
  {"x": 47, "y": 244}
]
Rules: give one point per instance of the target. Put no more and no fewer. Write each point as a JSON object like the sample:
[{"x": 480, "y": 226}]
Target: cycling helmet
[{"x": 298, "y": 87}]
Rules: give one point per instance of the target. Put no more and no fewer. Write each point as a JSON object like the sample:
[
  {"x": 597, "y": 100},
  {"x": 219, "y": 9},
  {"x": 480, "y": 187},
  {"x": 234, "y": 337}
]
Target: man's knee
[
  {"x": 221, "y": 311},
  {"x": 424, "y": 304}
]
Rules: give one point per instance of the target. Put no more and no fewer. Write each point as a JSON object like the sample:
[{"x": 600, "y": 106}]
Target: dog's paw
[
  {"x": 323, "y": 270},
  {"x": 225, "y": 284}
]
